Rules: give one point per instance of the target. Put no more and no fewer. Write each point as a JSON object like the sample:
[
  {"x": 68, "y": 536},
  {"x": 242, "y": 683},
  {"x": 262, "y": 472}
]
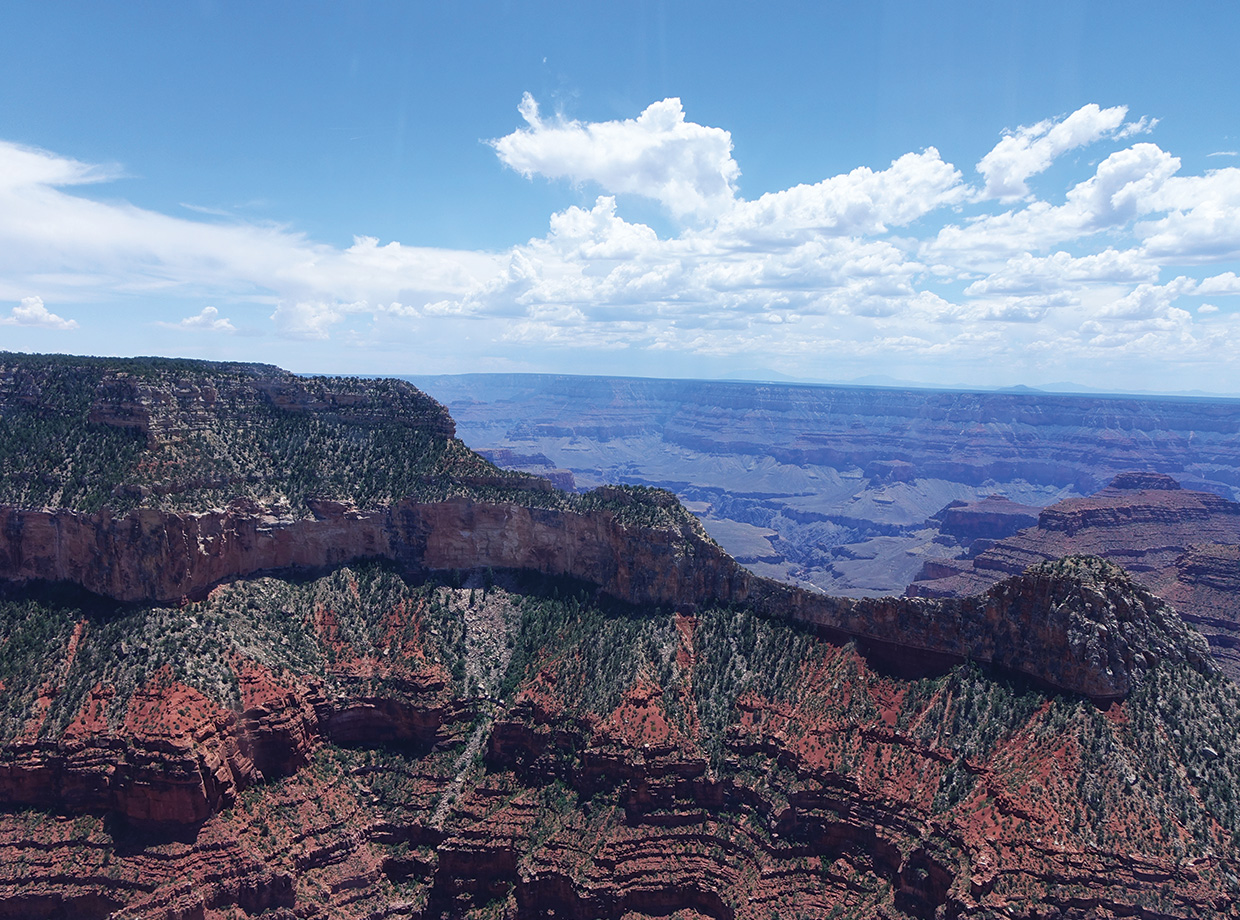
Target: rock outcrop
[
  {"x": 1177, "y": 542},
  {"x": 157, "y": 556},
  {"x": 1077, "y": 624},
  {"x": 170, "y": 401},
  {"x": 991, "y": 518},
  {"x": 180, "y": 758},
  {"x": 115, "y": 435},
  {"x": 162, "y": 557},
  {"x": 152, "y": 555}
]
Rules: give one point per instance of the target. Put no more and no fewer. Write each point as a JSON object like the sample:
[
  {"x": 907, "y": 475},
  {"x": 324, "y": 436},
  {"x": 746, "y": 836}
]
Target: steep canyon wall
[{"x": 1089, "y": 644}]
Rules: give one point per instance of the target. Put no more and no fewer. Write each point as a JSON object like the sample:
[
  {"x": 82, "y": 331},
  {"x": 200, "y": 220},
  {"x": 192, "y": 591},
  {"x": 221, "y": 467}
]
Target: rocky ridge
[
  {"x": 115, "y": 435},
  {"x": 1181, "y": 544},
  {"x": 156, "y": 556},
  {"x": 168, "y": 769},
  {"x": 618, "y": 762}
]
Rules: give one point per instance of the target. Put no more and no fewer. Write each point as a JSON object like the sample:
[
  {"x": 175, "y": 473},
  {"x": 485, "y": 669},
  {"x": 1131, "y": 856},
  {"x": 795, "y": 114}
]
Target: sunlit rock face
[
  {"x": 163, "y": 557},
  {"x": 1180, "y": 543}
]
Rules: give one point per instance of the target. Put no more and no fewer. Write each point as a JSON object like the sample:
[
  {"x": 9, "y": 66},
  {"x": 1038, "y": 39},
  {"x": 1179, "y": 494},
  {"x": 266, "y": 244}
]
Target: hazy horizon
[{"x": 1061, "y": 388}]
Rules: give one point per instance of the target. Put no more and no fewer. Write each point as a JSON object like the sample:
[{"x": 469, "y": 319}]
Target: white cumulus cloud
[
  {"x": 1029, "y": 274},
  {"x": 1150, "y": 301},
  {"x": 686, "y": 166},
  {"x": 1202, "y": 223},
  {"x": 32, "y": 312},
  {"x": 209, "y": 320},
  {"x": 1031, "y": 149},
  {"x": 862, "y": 202},
  {"x": 1126, "y": 185},
  {"x": 1225, "y": 283}
]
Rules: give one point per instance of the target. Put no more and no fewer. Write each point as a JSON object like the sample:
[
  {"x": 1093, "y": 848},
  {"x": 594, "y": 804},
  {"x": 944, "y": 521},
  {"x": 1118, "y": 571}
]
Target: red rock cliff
[{"x": 161, "y": 556}]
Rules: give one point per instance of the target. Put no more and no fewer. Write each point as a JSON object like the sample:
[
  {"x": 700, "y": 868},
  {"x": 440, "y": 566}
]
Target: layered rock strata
[
  {"x": 182, "y": 758},
  {"x": 991, "y": 518},
  {"x": 155, "y": 556},
  {"x": 1179, "y": 543},
  {"x": 842, "y": 483},
  {"x": 723, "y": 766},
  {"x": 168, "y": 401}
]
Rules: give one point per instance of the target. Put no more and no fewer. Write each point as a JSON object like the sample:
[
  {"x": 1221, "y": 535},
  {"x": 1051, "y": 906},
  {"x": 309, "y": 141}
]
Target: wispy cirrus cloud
[{"x": 52, "y": 237}]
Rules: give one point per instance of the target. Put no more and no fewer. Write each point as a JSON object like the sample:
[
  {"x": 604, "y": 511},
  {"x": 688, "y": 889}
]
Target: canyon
[
  {"x": 164, "y": 556},
  {"x": 839, "y": 487},
  {"x": 288, "y": 649}
]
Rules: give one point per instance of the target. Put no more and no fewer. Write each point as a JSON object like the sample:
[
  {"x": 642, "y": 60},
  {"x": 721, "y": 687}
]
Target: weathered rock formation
[
  {"x": 538, "y": 464},
  {"x": 1177, "y": 542},
  {"x": 157, "y": 556},
  {"x": 992, "y": 518},
  {"x": 1076, "y": 624},
  {"x": 180, "y": 758},
  {"x": 643, "y": 764},
  {"x": 113, "y": 435},
  {"x": 171, "y": 401}
]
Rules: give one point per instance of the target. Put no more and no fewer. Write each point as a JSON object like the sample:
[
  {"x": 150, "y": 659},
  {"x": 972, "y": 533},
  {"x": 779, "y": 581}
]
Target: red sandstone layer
[{"x": 160, "y": 556}]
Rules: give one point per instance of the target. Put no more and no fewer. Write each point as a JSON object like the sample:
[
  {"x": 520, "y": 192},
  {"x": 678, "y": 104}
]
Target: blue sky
[{"x": 982, "y": 194}]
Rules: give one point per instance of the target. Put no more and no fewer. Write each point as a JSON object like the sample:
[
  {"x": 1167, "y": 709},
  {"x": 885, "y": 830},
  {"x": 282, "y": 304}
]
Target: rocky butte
[
  {"x": 283, "y": 646},
  {"x": 1183, "y": 544}
]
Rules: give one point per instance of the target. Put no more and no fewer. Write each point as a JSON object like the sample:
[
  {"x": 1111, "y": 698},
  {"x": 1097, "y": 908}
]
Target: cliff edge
[{"x": 348, "y": 469}]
